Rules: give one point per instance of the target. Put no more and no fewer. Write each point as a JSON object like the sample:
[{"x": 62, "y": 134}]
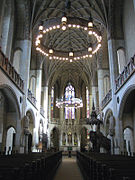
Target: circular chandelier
[
  {"x": 67, "y": 23},
  {"x": 72, "y": 102}
]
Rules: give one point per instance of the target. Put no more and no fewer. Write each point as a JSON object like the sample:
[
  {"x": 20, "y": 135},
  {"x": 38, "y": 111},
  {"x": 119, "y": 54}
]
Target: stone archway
[
  {"x": 10, "y": 140},
  {"x": 10, "y": 117},
  {"x": 128, "y": 140},
  {"x": 109, "y": 126},
  {"x": 127, "y": 120},
  {"x": 30, "y": 125}
]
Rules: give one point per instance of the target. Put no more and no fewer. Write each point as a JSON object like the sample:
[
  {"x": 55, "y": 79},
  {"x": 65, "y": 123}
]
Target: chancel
[{"x": 67, "y": 89}]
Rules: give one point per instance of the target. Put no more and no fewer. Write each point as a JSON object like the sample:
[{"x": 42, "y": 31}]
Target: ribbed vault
[{"x": 51, "y": 10}]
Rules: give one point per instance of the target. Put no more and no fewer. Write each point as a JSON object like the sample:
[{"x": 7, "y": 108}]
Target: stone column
[
  {"x": 90, "y": 96},
  {"x": 94, "y": 95},
  {"x": 61, "y": 138},
  {"x": 72, "y": 139},
  {"x": 25, "y": 45},
  {"x": 113, "y": 45},
  {"x": 61, "y": 114},
  {"x": 2, "y": 7},
  {"x": 1, "y": 118},
  {"x": 38, "y": 88},
  {"x": 101, "y": 85},
  {"x": 49, "y": 109},
  {"x": 26, "y": 132},
  {"x": 134, "y": 4},
  {"x": 45, "y": 106}
]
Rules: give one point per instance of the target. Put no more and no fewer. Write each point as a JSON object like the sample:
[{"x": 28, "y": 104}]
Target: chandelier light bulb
[
  {"x": 90, "y": 55},
  {"x": 37, "y": 48},
  {"x": 90, "y": 24},
  {"x": 90, "y": 32},
  {"x": 50, "y": 28},
  {"x": 99, "y": 45},
  {"x": 63, "y": 27},
  {"x": 58, "y": 26},
  {"x": 90, "y": 49},
  {"x": 40, "y": 27},
  {"x": 37, "y": 42},
  {"x": 64, "y": 19},
  {"x": 51, "y": 51},
  {"x": 71, "y": 54}
]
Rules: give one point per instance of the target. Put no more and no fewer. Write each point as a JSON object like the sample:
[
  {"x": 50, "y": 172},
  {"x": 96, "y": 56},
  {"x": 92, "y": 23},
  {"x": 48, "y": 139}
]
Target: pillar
[
  {"x": 72, "y": 139},
  {"x": 113, "y": 45},
  {"x": 94, "y": 95},
  {"x": 101, "y": 85},
  {"x": 45, "y": 106},
  {"x": 38, "y": 87},
  {"x": 134, "y": 4},
  {"x": 49, "y": 108},
  {"x": 1, "y": 118},
  {"x": 2, "y": 7},
  {"x": 90, "y": 96}
]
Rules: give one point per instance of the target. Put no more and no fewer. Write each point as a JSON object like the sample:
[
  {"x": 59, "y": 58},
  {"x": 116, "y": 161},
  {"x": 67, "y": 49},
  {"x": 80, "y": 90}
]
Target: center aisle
[{"x": 68, "y": 170}]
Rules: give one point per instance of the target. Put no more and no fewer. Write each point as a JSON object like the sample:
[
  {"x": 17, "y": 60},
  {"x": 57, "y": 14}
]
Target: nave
[
  {"x": 68, "y": 170},
  {"x": 52, "y": 166}
]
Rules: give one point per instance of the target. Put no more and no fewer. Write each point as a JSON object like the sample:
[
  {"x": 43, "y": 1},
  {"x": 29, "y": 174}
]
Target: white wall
[{"x": 129, "y": 28}]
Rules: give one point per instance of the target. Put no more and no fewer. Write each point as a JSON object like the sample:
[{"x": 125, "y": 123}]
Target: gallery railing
[
  {"x": 129, "y": 69},
  {"x": 10, "y": 71},
  {"x": 42, "y": 112},
  {"x": 31, "y": 97},
  {"x": 107, "y": 98}
]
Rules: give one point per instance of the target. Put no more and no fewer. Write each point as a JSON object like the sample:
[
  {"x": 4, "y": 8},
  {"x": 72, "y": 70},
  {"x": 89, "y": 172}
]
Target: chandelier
[
  {"x": 64, "y": 24},
  {"x": 72, "y": 102}
]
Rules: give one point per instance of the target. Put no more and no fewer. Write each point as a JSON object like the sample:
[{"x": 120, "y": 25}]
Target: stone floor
[{"x": 68, "y": 170}]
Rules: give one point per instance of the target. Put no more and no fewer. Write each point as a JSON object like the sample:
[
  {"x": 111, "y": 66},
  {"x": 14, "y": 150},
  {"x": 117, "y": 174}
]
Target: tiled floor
[{"x": 68, "y": 170}]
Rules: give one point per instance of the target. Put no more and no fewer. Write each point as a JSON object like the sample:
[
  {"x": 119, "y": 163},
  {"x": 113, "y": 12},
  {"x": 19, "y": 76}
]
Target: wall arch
[
  {"x": 11, "y": 93},
  {"x": 10, "y": 139},
  {"x": 32, "y": 115},
  {"x": 123, "y": 101},
  {"x": 121, "y": 59},
  {"x": 32, "y": 86},
  {"x": 17, "y": 59},
  {"x": 10, "y": 115}
]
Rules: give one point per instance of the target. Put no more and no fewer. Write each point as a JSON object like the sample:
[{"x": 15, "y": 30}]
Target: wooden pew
[
  {"x": 97, "y": 166},
  {"x": 29, "y": 167}
]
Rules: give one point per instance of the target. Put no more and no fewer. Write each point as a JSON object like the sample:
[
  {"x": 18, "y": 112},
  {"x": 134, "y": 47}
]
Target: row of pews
[
  {"x": 34, "y": 166},
  {"x": 99, "y": 166}
]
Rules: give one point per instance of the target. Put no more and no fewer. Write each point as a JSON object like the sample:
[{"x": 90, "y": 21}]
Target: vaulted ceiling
[{"x": 51, "y": 10}]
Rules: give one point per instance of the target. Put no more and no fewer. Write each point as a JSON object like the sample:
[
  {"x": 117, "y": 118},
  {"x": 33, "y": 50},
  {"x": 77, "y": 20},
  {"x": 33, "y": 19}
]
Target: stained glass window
[
  {"x": 69, "y": 94},
  {"x": 87, "y": 102},
  {"x": 52, "y": 101}
]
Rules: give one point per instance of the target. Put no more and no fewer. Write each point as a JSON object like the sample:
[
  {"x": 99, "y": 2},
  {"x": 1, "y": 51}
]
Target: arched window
[
  {"x": 33, "y": 85},
  {"x": 10, "y": 140},
  {"x": 87, "y": 102},
  {"x": 69, "y": 94},
  {"x": 106, "y": 84},
  {"x": 128, "y": 140},
  {"x": 17, "y": 59},
  {"x": 52, "y": 101},
  {"x": 121, "y": 59}
]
